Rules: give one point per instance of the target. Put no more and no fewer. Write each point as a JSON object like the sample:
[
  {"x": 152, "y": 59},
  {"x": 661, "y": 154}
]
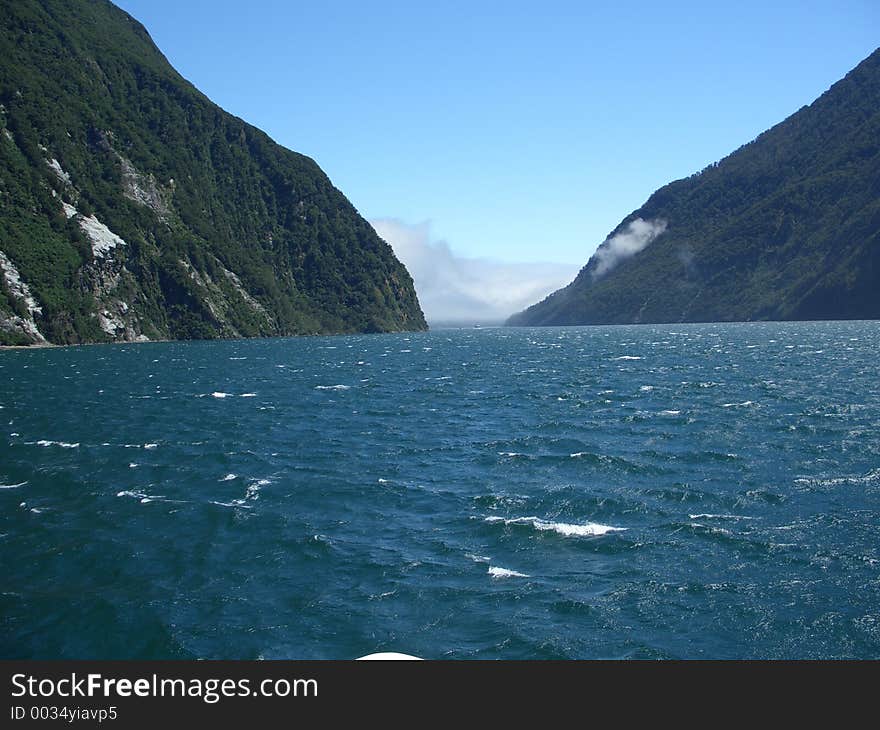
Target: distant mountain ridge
[
  {"x": 787, "y": 227},
  {"x": 132, "y": 207}
]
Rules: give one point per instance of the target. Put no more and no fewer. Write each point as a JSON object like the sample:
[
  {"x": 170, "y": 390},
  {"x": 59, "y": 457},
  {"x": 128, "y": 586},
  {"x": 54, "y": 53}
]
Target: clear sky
[{"x": 520, "y": 131}]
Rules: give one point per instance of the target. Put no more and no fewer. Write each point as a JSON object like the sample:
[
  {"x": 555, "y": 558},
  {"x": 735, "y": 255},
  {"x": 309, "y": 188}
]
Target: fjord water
[{"x": 680, "y": 491}]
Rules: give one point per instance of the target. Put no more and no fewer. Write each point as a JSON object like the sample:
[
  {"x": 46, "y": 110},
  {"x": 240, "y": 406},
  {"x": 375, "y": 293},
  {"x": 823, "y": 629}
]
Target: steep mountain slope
[
  {"x": 786, "y": 227},
  {"x": 132, "y": 207}
]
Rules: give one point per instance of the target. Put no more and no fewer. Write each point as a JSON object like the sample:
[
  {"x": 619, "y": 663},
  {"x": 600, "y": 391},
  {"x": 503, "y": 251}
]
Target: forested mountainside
[
  {"x": 132, "y": 207},
  {"x": 785, "y": 228}
]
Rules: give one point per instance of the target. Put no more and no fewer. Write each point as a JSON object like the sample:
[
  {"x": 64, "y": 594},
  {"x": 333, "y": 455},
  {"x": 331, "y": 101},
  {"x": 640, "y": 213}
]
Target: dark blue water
[{"x": 622, "y": 492}]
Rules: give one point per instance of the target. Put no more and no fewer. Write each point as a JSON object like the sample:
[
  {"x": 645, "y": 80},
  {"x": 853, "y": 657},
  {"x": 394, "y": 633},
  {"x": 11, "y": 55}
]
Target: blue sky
[{"x": 515, "y": 131}]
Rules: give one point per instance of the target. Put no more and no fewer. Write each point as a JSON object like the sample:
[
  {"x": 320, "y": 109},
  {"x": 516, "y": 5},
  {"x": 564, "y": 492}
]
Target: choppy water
[{"x": 656, "y": 491}]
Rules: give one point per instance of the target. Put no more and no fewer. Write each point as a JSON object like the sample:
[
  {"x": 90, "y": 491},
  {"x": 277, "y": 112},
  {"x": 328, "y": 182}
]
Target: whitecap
[
  {"x": 670, "y": 413},
  {"x": 738, "y": 405},
  {"x": 627, "y": 357},
  {"x": 253, "y": 489},
  {"x": 248, "y": 395},
  {"x": 219, "y": 394},
  {"x": 496, "y": 572},
  {"x": 332, "y": 387},
  {"x": 871, "y": 476},
  {"x": 384, "y": 481},
  {"x": 590, "y": 529},
  {"x": 132, "y": 465},
  {"x": 478, "y": 558},
  {"x": 12, "y": 486},
  {"x": 379, "y": 597},
  {"x": 646, "y": 388},
  {"x": 228, "y": 478},
  {"x": 707, "y": 516},
  {"x": 233, "y": 503},
  {"x": 150, "y": 446},
  {"x": 62, "y": 444},
  {"x": 144, "y": 498}
]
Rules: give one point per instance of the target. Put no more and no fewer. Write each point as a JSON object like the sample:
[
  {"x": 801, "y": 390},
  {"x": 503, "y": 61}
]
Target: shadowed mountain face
[
  {"x": 132, "y": 207},
  {"x": 786, "y": 227}
]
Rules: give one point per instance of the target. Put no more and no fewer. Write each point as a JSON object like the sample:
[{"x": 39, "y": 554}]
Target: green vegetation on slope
[
  {"x": 786, "y": 227},
  {"x": 225, "y": 232}
]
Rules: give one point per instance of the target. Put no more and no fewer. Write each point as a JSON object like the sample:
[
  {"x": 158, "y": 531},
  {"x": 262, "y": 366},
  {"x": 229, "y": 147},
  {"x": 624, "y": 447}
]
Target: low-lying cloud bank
[
  {"x": 454, "y": 288},
  {"x": 637, "y": 236}
]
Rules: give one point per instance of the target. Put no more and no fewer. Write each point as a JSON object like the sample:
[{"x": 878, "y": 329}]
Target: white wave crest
[
  {"x": 590, "y": 529},
  {"x": 496, "y": 572},
  {"x": 62, "y": 444},
  {"x": 477, "y": 558},
  {"x": 144, "y": 498},
  {"x": 332, "y": 387},
  {"x": 871, "y": 476},
  {"x": 253, "y": 489},
  {"x": 233, "y": 503}
]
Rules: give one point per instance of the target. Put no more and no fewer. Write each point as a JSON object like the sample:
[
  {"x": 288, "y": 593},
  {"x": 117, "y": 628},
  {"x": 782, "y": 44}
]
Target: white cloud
[
  {"x": 455, "y": 288},
  {"x": 638, "y": 234}
]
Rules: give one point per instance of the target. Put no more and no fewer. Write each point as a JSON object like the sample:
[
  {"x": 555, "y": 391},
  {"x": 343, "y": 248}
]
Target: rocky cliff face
[
  {"x": 132, "y": 208},
  {"x": 786, "y": 227}
]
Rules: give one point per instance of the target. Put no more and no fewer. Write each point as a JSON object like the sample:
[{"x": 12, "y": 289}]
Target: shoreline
[{"x": 42, "y": 345}]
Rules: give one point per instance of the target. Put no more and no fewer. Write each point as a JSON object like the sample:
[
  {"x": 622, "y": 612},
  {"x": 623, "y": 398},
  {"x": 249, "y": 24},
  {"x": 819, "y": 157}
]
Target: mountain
[
  {"x": 785, "y": 228},
  {"x": 132, "y": 207}
]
